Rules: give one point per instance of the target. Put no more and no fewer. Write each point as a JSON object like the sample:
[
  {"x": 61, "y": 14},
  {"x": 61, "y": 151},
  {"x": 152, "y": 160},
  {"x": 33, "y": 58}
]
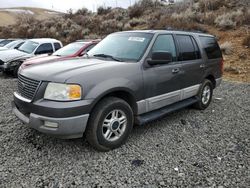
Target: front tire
[
  {"x": 205, "y": 95},
  {"x": 110, "y": 123}
]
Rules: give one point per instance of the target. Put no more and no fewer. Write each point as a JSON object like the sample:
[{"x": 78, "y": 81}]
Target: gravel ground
[{"x": 189, "y": 148}]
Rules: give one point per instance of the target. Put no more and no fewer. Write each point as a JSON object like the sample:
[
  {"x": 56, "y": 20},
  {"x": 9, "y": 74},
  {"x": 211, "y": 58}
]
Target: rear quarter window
[
  {"x": 211, "y": 47},
  {"x": 57, "y": 46}
]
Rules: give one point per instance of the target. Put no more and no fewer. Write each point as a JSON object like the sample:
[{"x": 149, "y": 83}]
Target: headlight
[{"x": 63, "y": 92}]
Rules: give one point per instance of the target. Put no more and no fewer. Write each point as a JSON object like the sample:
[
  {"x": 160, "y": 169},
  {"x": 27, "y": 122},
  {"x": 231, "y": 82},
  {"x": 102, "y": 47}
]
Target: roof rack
[{"x": 193, "y": 31}]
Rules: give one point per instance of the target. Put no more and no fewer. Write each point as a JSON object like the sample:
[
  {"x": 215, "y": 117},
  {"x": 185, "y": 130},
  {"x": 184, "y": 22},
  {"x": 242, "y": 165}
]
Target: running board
[{"x": 156, "y": 114}]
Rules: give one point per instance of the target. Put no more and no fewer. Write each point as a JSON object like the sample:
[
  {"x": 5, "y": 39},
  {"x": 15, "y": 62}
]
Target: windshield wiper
[{"x": 107, "y": 56}]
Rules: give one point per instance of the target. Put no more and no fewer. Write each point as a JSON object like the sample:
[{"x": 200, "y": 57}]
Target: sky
[{"x": 64, "y": 5}]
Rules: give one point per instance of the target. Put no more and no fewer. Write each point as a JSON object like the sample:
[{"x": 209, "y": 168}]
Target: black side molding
[{"x": 156, "y": 114}]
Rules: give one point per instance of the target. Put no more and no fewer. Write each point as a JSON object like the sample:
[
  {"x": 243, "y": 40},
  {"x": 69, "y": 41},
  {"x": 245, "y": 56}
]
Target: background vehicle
[
  {"x": 128, "y": 77},
  {"x": 5, "y": 42},
  {"x": 10, "y": 60},
  {"x": 75, "y": 49},
  {"x": 13, "y": 45}
]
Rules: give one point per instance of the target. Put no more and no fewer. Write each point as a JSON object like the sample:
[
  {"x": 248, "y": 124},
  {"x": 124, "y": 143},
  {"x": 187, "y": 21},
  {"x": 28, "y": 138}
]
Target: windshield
[
  {"x": 12, "y": 44},
  {"x": 4, "y": 42},
  {"x": 122, "y": 46},
  {"x": 28, "y": 47},
  {"x": 70, "y": 49}
]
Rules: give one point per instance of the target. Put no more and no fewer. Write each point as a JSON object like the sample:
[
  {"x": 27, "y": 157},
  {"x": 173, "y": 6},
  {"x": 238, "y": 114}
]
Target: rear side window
[
  {"x": 44, "y": 49},
  {"x": 57, "y": 46},
  {"x": 211, "y": 47},
  {"x": 165, "y": 43},
  {"x": 188, "y": 49}
]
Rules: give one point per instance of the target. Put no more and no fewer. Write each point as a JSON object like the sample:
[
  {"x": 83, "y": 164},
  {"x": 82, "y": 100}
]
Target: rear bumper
[{"x": 66, "y": 127}]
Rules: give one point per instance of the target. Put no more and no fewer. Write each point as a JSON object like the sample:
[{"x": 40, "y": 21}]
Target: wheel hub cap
[
  {"x": 114, "y": 125},
  {"x": 206, "y": 94}
]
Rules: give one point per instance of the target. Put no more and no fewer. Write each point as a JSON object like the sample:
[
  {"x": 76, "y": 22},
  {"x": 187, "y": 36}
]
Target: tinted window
[
  {"x": 196, "y": 49},
  {"x": 186, "y": 48},
  {"x": 57, "y": 46},
  {"x": 124, "y": 46},
  {"x": 165, "y": 43},
  {"x": 44, "y": 49},
  {"x": 211, "y": 47}
]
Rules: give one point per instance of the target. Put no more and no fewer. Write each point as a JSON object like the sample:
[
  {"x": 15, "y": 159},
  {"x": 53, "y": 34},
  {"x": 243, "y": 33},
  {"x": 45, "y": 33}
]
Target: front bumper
[{"x": 66, "y": 127}]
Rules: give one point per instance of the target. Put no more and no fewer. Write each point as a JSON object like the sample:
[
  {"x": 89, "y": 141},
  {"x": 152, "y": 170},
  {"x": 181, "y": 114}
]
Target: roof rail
[{"x": 193, "y": 31}]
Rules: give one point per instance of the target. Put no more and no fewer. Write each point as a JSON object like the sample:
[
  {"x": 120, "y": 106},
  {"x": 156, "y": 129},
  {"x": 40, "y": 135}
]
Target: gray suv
[{"x": 128, "y": 78}]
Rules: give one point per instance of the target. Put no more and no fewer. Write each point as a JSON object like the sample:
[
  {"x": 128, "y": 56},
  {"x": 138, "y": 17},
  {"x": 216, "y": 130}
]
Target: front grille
[{"x": 27, "y": 87}]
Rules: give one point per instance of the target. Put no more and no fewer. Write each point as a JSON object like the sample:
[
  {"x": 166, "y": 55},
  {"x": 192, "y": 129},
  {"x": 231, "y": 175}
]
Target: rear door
[
  {"x": 162, "y": 82},
  {"x": 193, "y": 67}
]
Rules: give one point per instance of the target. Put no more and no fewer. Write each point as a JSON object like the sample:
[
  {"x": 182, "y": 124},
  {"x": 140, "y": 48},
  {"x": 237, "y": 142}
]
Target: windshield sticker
[{"x": 136, "y": 39}]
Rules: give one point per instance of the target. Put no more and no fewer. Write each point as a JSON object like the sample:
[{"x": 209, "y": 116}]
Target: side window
[
  {"x": 57, "y": 46},
  {"x": 165, "y": 43},
  {"x": 196, "y": 49},
  {"x": 186, "y": 48},
  {"x": 44, "y": 49},
  {"x": 211, "y": 47}
]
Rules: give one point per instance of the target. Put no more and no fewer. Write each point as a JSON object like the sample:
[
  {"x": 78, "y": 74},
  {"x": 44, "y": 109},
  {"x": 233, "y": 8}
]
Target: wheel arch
[
  {"x": 121, "y": 93},
  {"x": 212, "y": 79}
]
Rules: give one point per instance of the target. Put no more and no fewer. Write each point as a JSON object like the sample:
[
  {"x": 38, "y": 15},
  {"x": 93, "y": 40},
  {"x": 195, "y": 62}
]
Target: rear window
[{"x": 211, "y": 47}]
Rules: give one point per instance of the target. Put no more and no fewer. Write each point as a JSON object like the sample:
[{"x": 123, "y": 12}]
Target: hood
[
  {"x": 39, "y": 60},
  {"x": 13, "y": 54},
  {"x": 61, "y": 71},
  {"x": 3, "y": 48},
  {"x": 37, "y": 57}
]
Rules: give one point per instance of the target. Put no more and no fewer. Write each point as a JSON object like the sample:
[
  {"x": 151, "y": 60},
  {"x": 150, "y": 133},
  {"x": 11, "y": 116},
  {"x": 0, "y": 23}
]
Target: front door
[{"x": 162, "y": 82}]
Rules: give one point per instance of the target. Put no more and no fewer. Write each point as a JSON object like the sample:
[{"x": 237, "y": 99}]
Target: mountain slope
[{"x": 9, "y": 15}]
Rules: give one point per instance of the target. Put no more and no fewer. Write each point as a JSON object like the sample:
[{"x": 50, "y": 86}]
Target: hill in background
[
  {"x": 9, "y": 16},
  {"x": 229, "y": 20}
]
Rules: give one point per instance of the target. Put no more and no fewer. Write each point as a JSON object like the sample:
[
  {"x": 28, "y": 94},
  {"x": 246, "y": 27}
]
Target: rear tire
[
  {"x": 110, "y": 124},
  {"x": 205, "y": 95}
]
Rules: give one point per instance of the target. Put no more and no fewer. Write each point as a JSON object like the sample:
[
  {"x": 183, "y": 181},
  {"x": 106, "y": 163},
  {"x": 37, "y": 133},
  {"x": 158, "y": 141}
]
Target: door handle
[
  {"x": 176, "y": 70},
  {"x": 202, "y": 66}
]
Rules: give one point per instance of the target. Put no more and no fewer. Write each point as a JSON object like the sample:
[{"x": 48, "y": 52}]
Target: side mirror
[{"x": 160, "y": 57}]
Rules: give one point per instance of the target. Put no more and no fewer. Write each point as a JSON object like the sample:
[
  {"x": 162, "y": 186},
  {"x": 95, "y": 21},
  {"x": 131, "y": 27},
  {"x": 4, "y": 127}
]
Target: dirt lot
[{"x": 189, "y": 148}]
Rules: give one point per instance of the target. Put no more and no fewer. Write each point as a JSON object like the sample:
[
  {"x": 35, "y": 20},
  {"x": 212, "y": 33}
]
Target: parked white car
[
  {"x": 10, "y": 60},
  {"x": 13, "y": 45}
]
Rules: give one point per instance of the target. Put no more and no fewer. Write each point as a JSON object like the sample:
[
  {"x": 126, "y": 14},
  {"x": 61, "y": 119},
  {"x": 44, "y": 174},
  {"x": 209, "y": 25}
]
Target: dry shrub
[
  {"x": 103, "y": 10},
  {"x": 83, "y": 12},
  {"x": 227, "y": 48},
  {"x": 168, "y": 22},
  {"x": 110, "y": 26},
  {"x": 188, "y": 15},
  {"x": 139, "y": 8},
  {"x": 229, "y": 20},
  {"x": 246, "y": 41},
  {"x": 211, "y": 5},
  {"x": 137, "y": 21}
]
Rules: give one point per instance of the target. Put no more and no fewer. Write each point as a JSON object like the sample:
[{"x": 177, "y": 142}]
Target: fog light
[{"x": 50, "y": 124}]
